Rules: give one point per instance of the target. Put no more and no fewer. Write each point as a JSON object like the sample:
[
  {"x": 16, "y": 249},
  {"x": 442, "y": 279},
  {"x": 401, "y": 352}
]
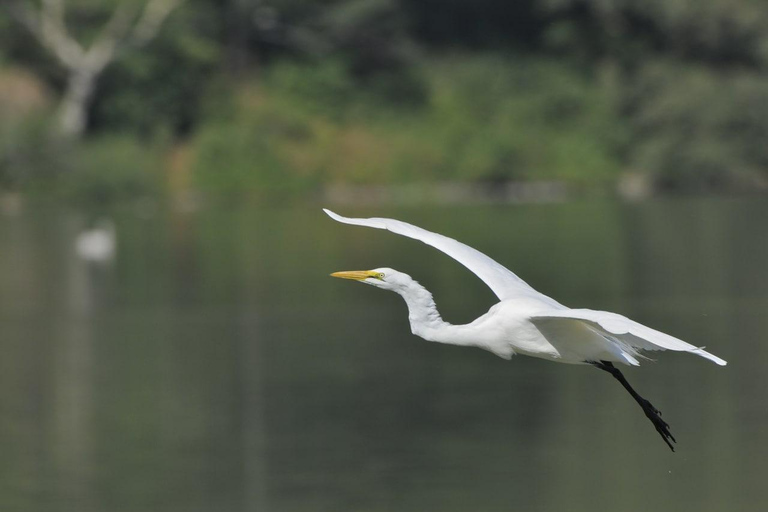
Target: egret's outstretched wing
[
  {"x": 501, "y": 280},
  {"x": 629, "y": 332}
]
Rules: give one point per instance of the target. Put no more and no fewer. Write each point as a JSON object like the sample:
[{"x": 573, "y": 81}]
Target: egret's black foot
[
  {"x": 661, "y": 426},
  {"x": 650, "y": 411}
]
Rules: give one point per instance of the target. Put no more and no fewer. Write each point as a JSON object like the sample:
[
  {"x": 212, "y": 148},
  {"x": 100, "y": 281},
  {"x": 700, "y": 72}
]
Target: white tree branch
[
  {"x": 102, "y": 50},
  {"x": 155, "y": 13},
  {"x": 55, "y": 11},
  {"x": 124, "y": 28},
  {"x": 47, "y": 26},
  {"x": 25, "y": 16},
  {"x": 128, "y": 26},
  {"x": 54, "y": 35}
]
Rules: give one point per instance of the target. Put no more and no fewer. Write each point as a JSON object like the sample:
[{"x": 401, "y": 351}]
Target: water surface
[{"x": 214, "y": 365}]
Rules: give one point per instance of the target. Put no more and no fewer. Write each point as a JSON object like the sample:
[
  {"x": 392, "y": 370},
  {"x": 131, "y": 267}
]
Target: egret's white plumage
[
  {"x": 524, "y": 321},
  {"x": 98, "y": 243}
]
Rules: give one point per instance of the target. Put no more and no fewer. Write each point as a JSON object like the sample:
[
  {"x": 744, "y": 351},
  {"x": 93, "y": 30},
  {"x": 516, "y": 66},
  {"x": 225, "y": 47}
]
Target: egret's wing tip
[
  {"x": 714, "y": 359},
  {"x": 703, "y": 353},
  {"x": 334, "y": 216}
]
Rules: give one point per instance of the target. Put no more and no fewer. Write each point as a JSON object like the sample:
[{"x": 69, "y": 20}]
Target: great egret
[
  {"x": 524, "y": 321},
  {"x": 98, "y": 243}
]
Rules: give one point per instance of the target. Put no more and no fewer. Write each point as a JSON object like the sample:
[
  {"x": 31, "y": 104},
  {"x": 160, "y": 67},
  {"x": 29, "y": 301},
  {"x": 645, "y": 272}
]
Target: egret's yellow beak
[{"x": 357, "y": 275}]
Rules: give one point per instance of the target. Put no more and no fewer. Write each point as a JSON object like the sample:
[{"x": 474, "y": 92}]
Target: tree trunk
[{"x": 73, "y": 111}]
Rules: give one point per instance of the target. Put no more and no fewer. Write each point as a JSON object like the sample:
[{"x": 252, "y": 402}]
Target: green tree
[
  {"x": 120, "y": 25},
  {"x": 690, "y": 76}
]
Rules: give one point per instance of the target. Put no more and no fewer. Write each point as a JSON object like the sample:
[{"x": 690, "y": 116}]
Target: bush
[
  {"x": 695, "y": 128},
  {"x": 484, "y": 119},
  {"x": 497, "y": 119},
  {"x": 107, "y": 170},
  {"x": 25, "y": 107}
]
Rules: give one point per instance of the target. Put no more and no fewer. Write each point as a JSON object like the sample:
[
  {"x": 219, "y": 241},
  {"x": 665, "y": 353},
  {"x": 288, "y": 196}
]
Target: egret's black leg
[{"x": 650, "y": 411}]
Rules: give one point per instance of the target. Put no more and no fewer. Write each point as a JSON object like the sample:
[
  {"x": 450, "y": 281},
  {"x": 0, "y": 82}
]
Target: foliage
[
  {"x": 691, "y": 78},
  {"x": 286, "y": 95},
  {"x": 500, "y": 119},
  {"x": 143, "y": 94},
  {"x": 309, "y": 125},
  {"x": 111, "y": 169},
  {"x": 26, "y": 154},
  {"x": 99, "y": 172},
  {"x": 713, "y": 31},
  {"x": 695, "y": 128},
  {"x": 24, "y": 114}
]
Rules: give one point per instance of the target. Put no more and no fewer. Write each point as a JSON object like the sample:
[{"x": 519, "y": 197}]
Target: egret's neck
[
  {"x": 422, "y": 311},
  {"x": 425, "y": 319}
]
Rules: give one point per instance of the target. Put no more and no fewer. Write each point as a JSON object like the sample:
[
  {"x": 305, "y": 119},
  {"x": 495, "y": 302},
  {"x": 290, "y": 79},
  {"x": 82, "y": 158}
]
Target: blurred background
[{"x": 170, "y": 339}]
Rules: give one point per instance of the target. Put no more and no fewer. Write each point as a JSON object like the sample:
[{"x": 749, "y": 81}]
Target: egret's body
[
  {"x": 524, "y": 321},
  {"x": 98, "y": 243}
]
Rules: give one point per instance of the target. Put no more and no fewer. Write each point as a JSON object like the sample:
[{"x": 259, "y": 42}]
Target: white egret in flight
[{"x": 524, "y": 321}]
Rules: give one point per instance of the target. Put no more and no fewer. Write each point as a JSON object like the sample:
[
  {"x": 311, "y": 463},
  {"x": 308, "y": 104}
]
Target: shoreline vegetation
[
  {"x": 447, "y": 193},
  {"x": 380, "y": 99},
  {"x": 191, "y": 200}
]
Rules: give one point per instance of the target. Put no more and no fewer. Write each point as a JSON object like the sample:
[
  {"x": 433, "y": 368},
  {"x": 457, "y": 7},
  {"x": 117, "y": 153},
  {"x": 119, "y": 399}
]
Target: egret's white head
[
  {"x": 386, "y": 278},
  {"x": 422, "y": 313}
]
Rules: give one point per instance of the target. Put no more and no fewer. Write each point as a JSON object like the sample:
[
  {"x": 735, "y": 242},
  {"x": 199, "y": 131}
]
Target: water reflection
[{"x": 215, "y": 366}]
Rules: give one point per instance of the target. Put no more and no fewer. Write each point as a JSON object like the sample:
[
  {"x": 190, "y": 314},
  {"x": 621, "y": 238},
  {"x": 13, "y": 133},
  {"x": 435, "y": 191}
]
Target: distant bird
[
  {"x": 524, "y": 321},
  {"x": 98, "y": 243}
]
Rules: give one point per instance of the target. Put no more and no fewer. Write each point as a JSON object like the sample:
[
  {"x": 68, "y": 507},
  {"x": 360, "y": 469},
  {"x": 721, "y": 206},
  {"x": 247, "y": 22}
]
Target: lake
[{"x": 214, "y": 366}]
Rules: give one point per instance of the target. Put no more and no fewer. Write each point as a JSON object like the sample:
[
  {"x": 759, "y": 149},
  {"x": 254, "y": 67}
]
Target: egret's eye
[{"x": 381, "y": 275}]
